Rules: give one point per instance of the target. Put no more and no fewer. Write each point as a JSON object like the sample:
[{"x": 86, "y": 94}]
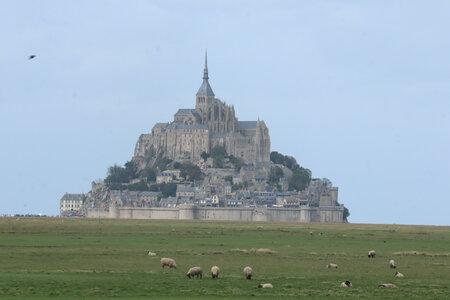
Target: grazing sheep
[
  {"x": 195, "y": 271},
  {"x": 387, "y": 285},
  {"x": 260, "y": 228},
  {"x": 399, "y": 275},
  {"x": 311, "y": 233},
  {"x": 215, "y": 272},
  {"x": 248, "y": 272},
  {"x": 392, "y": 264},
  {"x": 168, "y": 262},
  {"x": 371, "y": 254},
  {"x": 332, "y": 266},
  {"x": 346, "y": 284},
  {"x": 266, "y": 286},
  {"x": 150, "y": 253}
]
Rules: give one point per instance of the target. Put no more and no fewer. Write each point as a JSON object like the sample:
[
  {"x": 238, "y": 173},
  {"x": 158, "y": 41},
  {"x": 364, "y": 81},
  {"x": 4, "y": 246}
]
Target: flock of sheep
[
  {"x": 198, "y": 272},
  {"x": 372, "y": 254},
  {"x": 248, "y": 271}
]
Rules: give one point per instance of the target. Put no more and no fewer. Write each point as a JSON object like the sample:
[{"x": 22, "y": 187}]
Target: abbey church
[{"x": 211, "y": 123}]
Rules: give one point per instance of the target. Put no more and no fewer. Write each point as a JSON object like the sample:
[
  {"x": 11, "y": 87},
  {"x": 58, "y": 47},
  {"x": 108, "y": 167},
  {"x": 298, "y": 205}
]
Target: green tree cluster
[
  {"x": 148, "y": 173},
  {"x": 190, "y": 171},
  {"x": 218, "y": 154},
  {"x": 167, "y": 189},
  {"x": 285, "y": 160},
  {"x": 237, "y": 162},
  {"x": 161, "y": 163},
  {"x": 139, "y": 186},
  {"x": 300, "y": 179},
  {"x": 118, "y": 174},
  {"x": 275, "y": 174}
]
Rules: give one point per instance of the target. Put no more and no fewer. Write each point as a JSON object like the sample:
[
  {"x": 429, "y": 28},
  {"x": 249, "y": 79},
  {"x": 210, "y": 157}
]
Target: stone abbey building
[{"x": 211, "y": 123}]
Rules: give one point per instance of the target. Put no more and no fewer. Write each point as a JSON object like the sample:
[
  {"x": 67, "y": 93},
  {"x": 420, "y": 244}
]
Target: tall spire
[
  {"x": 205, "y": 70},
  {"x": 205, "y": 88}
]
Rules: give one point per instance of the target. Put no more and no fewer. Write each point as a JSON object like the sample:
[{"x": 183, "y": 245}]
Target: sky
[{"x": 356, "y": 91}]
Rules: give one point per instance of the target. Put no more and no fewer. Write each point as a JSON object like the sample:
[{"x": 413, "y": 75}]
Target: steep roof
[
  {"x": 76, "y": 197},
  {"x": 246, "y": 125},
  {"x": 195, "y": 126},
  {"x": 205, "y": 88}
]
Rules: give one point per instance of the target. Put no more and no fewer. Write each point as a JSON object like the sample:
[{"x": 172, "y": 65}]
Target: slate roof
[
  {"x": 187, "y": 111},
  {"x": 196, "y": 126},
  {"x": 150, "y": 193},
  {"x": 205, "y": 89},
  {"x": 76, "y": 197},
  {"x": 246, "y": 125}
]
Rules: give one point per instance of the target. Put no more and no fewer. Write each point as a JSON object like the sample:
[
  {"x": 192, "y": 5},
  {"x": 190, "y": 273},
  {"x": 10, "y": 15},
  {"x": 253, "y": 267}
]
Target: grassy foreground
[{"x": 86, "y": 258}]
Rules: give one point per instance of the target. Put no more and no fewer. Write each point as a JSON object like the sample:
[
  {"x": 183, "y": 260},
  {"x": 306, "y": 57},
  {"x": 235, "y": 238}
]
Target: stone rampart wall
[{"x": 332, "y": 214}]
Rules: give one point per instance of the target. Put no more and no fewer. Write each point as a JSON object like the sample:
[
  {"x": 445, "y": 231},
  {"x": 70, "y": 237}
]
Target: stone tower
[{"x": 205, "y": 94}]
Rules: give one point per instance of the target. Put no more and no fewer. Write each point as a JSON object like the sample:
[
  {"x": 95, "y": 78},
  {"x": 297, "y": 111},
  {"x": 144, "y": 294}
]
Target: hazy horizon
[{"x": 358, "y": 92}]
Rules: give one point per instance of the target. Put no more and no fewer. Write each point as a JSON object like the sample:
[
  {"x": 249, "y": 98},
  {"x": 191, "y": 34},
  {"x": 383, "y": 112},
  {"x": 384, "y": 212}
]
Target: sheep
[
  {"x": 248, "y": 272},
  {"x": 311, "y": 233},
  {"x": 266, "y": 286},
  {"x": 387, "y": 285},
  {"x": 168, "y": 262},
  {"x": 346, "y": 284},
  {"x": 150, "y": 253},
  {"x": 392, "y": 264},
  {"x": 195, "y": 271},
  {"x": 215, "y": 272},
  {"x": 332, "y": 266},
  {"x": 399, "y": 275},
  {"x": 371, "y": 254}
]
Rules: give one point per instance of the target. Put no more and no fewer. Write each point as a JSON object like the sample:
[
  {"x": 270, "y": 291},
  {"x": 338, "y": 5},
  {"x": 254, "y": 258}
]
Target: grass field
[{"x": 89, "y": 258}]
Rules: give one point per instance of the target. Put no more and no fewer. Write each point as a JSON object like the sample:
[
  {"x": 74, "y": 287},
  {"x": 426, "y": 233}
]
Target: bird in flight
[{"x": 31, "y": 56}]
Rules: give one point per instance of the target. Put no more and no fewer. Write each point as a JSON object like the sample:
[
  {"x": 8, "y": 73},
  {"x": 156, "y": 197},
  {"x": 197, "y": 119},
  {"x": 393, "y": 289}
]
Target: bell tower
[{"x": 205, "y": 94}]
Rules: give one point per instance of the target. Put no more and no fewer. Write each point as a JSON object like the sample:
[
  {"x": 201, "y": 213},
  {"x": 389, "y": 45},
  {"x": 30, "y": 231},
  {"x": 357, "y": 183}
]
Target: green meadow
[{"x": 71, "y": 258}]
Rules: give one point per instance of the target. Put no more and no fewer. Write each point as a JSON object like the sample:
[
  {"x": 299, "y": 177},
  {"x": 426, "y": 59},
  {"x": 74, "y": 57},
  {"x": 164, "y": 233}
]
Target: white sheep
[
  {"x": 195, "y": 271},
  {"x": 346, "y": 284},
  {"x": 215, "y": 272},
  {"x": 169, "y": 262},
  {"x": 150, "y": 253},
  {"x": 371, "y": 254},
  {"x": 399, "y": 275},
  {"x": 332, "y": 266},
  {"x": 266, "y": 286},
  {"x": 248, "y": 272},
  {"x": 387, "y": 285},
  {"x": 392, "y": 264}
]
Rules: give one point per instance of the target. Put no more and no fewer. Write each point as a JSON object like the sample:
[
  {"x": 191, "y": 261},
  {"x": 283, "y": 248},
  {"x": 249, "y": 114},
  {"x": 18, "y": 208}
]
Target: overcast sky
[{"x": 356, "y": 91}]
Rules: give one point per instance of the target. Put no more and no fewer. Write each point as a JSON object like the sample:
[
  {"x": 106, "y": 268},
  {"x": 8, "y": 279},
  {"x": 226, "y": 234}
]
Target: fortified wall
[{"x": 328, "y": 214}]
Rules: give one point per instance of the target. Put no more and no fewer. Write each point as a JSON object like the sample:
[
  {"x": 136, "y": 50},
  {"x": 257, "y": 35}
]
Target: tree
[
  {"x": 275, "y": 174},
  {"x": 285, "y": 160},
  {"x": 326, "y": 183},
  {"x": 346, "y": 213},
  {"x": 161, "y": 163},
  {"x": 300, "y": 179},
  {"x": 204, "y": 155},
  {"x": 218, "y": 153},
  {"x": 190, "y": 171},
  {"x": 117, "y": 174},
  {"x": 169, "y": 189},
  {"x": 237, "y": 162},
  {"x": 148, "y": 173},
  {"x": 139, "y": 186},
  {"x": 130, "y": 169},
  {"x": 176, "y": 165}
]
